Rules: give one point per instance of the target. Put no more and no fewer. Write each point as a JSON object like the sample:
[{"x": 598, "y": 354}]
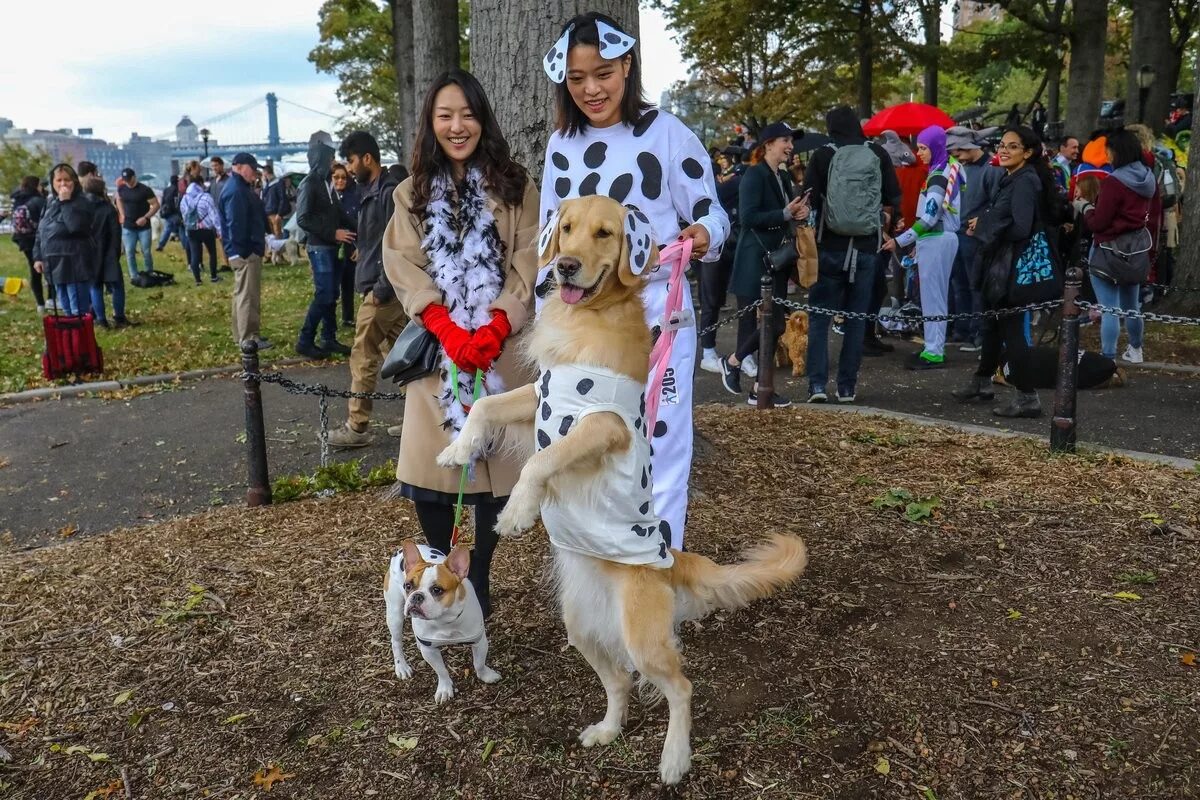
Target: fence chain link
[
  {"x": 1171, "y": 287},
  {"x": 317, "y": 389},
  {"x": 1169, "y": 319},
  {"x": 873, "y": 317}
]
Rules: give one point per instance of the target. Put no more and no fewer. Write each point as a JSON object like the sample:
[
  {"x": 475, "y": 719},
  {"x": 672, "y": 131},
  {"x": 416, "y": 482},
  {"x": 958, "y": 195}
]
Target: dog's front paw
[
  {"x": 520, "y": 513},
  {"x": 676, "y": 760},
  {"x": 601, "y": 733},
  {"x": 487, "y": 674},
  {"x": 403, "y": 670},
  {"x": 457, "y": 453},
  {"x": 445, "y": 691}
]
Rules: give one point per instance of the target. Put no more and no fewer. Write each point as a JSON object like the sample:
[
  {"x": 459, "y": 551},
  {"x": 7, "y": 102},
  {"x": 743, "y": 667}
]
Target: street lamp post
[
  {"x": 1145, "y": 79},
  {"x": 204, "y": 134}
]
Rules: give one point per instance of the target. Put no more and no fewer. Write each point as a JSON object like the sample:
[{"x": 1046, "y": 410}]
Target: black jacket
[
  {"x": 845, "y": 129},
  {"x": 764, "y": 223},
  {"x": 375, "y": 209},
  {"x": 318, "y": 213},
  {"x": 37, "y": 206},
  {"x": 65, "y": 244},
  {"x": 106, "y": 233},
  {"x": 275, "y": 199},
  {"x": 1012, "y": 218},
  {"x": 170, "y": 201}
]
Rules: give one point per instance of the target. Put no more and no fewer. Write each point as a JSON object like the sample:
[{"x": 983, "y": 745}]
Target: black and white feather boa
[{"x": 466, "y": 262}]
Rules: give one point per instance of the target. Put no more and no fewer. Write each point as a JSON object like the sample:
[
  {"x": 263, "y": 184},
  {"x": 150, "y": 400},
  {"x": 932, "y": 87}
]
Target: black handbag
[
  {"x": 413, "y": 356},
  {"x": 784, "y": 257},
  {"x": 1125, "y": 260}
]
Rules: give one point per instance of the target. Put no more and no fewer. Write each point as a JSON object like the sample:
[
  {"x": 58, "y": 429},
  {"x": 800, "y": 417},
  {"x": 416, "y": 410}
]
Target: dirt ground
[{"x": 979, "y": 620}]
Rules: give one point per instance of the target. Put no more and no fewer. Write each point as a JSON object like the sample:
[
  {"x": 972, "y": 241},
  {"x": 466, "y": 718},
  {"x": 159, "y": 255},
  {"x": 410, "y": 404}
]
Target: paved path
[{"x": 97, "y": 464}]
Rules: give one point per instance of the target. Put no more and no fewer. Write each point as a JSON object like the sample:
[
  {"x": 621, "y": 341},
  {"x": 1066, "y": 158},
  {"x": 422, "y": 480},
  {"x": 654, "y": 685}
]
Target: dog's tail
[{"x": 767, "y": 568}]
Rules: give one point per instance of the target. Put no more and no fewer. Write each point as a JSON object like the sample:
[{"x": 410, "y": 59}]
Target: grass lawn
[{"x": 182, "y": 326}]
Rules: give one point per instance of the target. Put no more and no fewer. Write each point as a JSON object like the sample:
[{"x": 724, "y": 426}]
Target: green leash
[{"x": 462, "y": 479}]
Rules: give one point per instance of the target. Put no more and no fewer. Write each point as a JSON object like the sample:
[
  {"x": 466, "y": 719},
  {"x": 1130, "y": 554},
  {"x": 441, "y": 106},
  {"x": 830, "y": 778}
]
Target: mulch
[{"x": 980, "y": 619}]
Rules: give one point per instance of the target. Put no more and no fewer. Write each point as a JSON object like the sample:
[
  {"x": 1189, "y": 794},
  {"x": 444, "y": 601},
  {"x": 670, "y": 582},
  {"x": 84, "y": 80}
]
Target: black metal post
[
  {"x": 1062, "y": 428},
  {"x": 258, "y": 491},
  {"x": 766, "y": 345}
]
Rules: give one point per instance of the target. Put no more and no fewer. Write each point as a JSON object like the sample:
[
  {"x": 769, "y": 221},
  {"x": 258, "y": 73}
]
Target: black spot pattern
[
  {"x": 567, "y": 422},
  {"x": 588, "y": 187},
  {"x": 545, "y": 383},
  {"x": 593, "y": 157},
  {"x": 543, "y": 439},
  {"x": 642, "y": 405},
  {"x": 637, "y": 425},
  {"x": 644, "y": 508},
  {"x": 645, "y": 478},
  {"x": 692, "y": 168},
  {"x": 639, "y": 260},
  {"x": 651, "y": 175},
  {"x": 664, "y": 528},
  {"x": 641, "y": 531},
  {"x": 701, "y": 208},
  {"x": 662, "y": 549},
  {"x": 562, "y": 187},
  {"x": 546, "y": 412},
  {"x": 644, "y": 123},
  {"x": 660, "y": 429},
  {"x": 621, "y": 187},
  {"x": 585, "y": 385},
  {"x": 560, "y": 161},
  {"x": 655, "y": 332},
  {"x": 612, "y": 38}
]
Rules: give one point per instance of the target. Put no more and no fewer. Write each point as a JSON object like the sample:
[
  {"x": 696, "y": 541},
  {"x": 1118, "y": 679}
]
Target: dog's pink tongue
[{"x": 571, "y": 294}]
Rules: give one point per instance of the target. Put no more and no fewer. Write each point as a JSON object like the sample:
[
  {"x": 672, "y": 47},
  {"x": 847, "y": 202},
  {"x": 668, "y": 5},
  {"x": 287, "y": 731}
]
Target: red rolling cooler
[{"x": 71, "y": 347}]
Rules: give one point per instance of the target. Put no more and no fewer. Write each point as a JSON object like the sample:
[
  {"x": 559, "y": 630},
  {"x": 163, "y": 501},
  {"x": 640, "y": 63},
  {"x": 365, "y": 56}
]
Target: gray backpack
[{"x": 855, "y": 181}]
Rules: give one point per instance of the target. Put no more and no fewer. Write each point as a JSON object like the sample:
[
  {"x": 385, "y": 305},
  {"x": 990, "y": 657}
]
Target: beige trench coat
[{"x": 404, "y": 263}]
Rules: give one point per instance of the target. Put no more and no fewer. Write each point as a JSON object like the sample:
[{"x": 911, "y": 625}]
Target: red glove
[
  {"x": 489, "y": 339},
  {"x": 454, "y": 340}
]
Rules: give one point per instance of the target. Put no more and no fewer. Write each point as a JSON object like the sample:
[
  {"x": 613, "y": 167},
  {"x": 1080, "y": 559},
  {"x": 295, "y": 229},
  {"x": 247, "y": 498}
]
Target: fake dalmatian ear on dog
[
  {"x": 638, "y": 239},
  {"x": 548, "y": 239},
  {"x": 555, "y": 61},
  {"x": 613, "y": 43}
]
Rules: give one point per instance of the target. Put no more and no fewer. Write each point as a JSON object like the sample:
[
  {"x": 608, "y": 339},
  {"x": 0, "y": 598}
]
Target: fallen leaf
[
  {"x": 68, "y": 530},
  {"x": 98, "y": 756},
  {"x": 1126, "y": 596},
  {"x": 105, "y": 792},
  {"x": 359, "y": 724},
  {"x": 883, "y": 766},
  {"x": 123, "y": 697},
  {"x": 1188, "y": 660},
  {"x": 488, "y": 748},
  {"x": 236, "y": 718},
  {"x": 1013, "y": 614},
  {"x": 401, "y": 743},
  {"x": 270, "y": 775}
]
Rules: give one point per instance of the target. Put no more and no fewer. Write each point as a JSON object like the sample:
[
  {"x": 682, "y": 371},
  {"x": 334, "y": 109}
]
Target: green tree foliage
[{"x": 17, "y": 161}]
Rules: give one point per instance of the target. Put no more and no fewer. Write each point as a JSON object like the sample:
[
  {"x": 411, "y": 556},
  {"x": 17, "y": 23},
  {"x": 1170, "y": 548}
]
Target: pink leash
[{"x": 678, "y": 255}]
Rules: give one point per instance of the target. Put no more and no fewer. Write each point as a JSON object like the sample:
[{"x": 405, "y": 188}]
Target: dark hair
[
  {"x": 399, "y": 172},
  {"x": 217, "y": 160},
  {"x": 1049, "y": 205},
  {"x": 29, "y": 184},
  {"x": 196, "y": 177},
  {"x": 71, "y": 173},
  {"x": 94, "y": 184},
  {"x": 268, "y": 169},
  {"x": 492, "y": 156},
  {"x": 1125, "y": 146},
  {"x": 87, "y": 168},
  {"x": 359, "y": 143},
  {"x": 174, "y": 179},
  {"x": 571, "y": 119},
  {"x": 1063, "y": 141}
]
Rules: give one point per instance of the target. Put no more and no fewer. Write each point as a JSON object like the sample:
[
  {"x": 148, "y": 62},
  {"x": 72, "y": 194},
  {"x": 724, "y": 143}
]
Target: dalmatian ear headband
[{"x": 613, "y": 44}]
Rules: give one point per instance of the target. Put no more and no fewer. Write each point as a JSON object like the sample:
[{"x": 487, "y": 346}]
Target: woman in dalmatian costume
[{"x": 610, "y": 141}]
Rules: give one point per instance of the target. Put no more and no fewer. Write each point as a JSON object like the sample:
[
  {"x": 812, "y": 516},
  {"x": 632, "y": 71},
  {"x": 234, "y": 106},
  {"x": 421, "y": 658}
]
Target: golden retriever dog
[
  {"x": 622, "y": 617},
  {"x": 793, "y": 344}
]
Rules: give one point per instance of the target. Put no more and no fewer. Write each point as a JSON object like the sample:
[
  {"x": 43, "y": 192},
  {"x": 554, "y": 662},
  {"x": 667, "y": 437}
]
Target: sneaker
[
  {"x": 124, "y": 322},
  {"x": 817, "y": 396},
  {"x": 103, "y": 323},
  {"x": 348, "y": 323},
  {"x": 924, "y": 360},
  {"x": 846, "y": 396},
  {"x": 778, "y": 401},
  {"x": 749, "y": 367},
  {"x": 973, "y": 346},
  {"x": 838, "y": 329},
  {"x": 1132, "y": 355},
  {"x": 199, "y": 282},
  {"x": 345, "y": 436},
  {"x": 311, "y": 351},
  {"x": 215, "y": 279},
  {"x": 262, "y": 343},
  {"x": 711, "y": 363},
  {"x": 336, "y": 347},
  {"x": 225, "y": 268},
  {"x": 395, "y": 431},
  {"x": 41, "y": 311},
  {"x": 731, "y": 377}
]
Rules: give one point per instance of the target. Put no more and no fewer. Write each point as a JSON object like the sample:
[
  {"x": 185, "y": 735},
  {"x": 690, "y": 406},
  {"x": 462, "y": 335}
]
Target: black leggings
[
  {"x": 35, "y": 280},
  {"x": 1004, "y": 341},
  {"x": 437, "y": 523},
  {"x": 714, "y": 283},
  {"x": 346, "y": 290},
  {"x": 202, "y": 237},
  {"x": 748, "y": 327}
]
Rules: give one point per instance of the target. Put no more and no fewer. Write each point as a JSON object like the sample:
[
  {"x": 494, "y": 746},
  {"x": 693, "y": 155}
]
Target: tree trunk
[
  {"x": 508, "y": 40},
  {"x": 1187, "y": 255},
  {"x": 435, "y": 42},
  {"x": 1150, "y": 45},
  {"x": 402, "y": 58},
  {"x": 1053, "y": 93},
  {"x": 1085, "y": 80},
  {"x": 932, "y": 22},
  {"x": 865, "y": 46}
]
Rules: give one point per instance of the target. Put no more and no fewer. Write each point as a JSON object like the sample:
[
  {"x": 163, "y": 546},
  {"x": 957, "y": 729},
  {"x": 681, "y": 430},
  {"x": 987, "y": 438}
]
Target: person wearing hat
[
  {"x": 136, "y": 206},
  {"x": 982, "y": 182},
  {"x": 244, "y": 235}
]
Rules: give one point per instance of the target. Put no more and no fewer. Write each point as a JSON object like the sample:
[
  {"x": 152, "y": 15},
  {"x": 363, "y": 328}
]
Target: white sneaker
[
  {"x": 1132, "y": 354},
  {"x": 750, "y": 367},
  {"x": 711, "y": 363}
]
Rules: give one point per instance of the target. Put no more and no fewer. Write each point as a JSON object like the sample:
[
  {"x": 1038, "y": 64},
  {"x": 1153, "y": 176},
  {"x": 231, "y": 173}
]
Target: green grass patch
[
  {"x": 343, "y": 476},
  {"x": 183, "y": 327}
]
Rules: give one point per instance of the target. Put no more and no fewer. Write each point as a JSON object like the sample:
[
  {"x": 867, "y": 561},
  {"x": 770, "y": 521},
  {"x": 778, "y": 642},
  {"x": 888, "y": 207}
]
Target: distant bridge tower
[{"x": 273, "y": 150}]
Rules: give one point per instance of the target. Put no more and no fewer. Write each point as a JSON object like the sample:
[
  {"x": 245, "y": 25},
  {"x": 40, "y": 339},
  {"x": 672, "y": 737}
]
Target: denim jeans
[
  {"x": 173, "y": 225},
  {"x": 965, "y": 293},
  {"x": 321, "y": 311},
  {"x": 74, "y": 299},
  {"x": 834, "y": 290},
  {"x": 1127, "y": 298},
  {"x": 117, "y": 290},
  {"x": 131, "y": 240}
]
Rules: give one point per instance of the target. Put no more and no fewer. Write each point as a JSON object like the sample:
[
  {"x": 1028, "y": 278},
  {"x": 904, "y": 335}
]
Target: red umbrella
[{"x": 907, "y": 119}]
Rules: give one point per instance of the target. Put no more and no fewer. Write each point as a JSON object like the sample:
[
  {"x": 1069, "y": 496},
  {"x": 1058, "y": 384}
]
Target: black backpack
[{"x": 152, "y": 278}]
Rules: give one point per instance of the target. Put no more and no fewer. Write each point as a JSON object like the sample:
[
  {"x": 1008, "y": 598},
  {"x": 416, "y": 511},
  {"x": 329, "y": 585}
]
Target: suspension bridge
[{"x": 242, "y": 129}]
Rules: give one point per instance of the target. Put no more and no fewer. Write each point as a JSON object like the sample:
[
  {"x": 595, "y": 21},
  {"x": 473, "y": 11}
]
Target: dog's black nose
[
  {"x": 568, "y": 266},
  {"x": 417, "y": 599}
]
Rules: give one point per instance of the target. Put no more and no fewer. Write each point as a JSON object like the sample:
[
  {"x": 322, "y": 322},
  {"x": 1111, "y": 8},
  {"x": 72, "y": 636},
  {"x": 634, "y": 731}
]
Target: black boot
[
  {"x": 978, "y": 388},
  {"x": 1025, "y": 404}
]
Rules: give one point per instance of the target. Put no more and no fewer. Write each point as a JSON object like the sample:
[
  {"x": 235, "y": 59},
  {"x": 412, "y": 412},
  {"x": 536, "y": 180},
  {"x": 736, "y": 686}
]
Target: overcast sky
[{"x": 120, "y": 66}]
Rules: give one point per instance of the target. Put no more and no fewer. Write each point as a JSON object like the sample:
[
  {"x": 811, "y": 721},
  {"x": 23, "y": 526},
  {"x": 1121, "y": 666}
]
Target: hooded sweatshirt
[
  {"x": 318, "y": 212},
  {"x": 1128, "y": 199},
  {"x": 845, "y": 129}
]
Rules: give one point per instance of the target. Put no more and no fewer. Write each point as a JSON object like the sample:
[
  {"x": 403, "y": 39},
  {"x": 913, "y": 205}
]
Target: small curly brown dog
[{"x": 793, "y": 344}]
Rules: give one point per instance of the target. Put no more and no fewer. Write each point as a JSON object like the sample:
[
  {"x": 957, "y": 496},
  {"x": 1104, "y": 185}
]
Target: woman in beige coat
[{"x": 459, "y": 252}]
